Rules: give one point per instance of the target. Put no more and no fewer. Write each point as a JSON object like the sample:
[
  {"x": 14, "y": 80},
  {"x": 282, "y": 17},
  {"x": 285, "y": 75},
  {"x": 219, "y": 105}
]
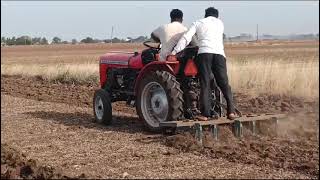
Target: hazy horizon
[{"x": 80, "y": 19}]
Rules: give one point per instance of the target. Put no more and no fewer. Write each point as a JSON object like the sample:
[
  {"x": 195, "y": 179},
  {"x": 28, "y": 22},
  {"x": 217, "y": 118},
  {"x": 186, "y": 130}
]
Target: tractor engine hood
[
  {"x": 116, "y": 58},
  {"x": 122, "y": 60}
]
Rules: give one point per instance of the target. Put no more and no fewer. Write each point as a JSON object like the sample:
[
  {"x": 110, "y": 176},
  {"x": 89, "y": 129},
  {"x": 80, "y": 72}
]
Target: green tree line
[
  {"x": 23, "y": 40},
  {"x": 27, "y": 40}
]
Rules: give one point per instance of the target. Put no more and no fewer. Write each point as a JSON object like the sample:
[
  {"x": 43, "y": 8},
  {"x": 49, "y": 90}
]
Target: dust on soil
[
  {"x": 296, "y": 147},
  {"x": 301, "y": 155}
]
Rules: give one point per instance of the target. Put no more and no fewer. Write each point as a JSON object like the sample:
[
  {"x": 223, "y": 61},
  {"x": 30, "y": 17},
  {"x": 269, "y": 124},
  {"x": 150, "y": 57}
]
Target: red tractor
[{"x": 161, "y": 91}]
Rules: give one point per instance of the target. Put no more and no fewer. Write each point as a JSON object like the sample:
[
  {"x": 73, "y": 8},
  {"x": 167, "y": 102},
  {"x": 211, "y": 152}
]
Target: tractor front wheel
[
  {"x": 159, "y": 99},
  {"x": 102, "y": 108}
]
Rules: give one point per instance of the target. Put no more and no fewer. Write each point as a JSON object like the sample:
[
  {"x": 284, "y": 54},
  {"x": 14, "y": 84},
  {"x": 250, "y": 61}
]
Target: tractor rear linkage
[{"x": 251, "y": 121}]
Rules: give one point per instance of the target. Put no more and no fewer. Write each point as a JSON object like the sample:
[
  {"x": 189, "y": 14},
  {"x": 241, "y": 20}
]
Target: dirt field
[
  {"x": 47, "y": 128},
  {"x": 64, "y": 136},
  {"x": 63, "y": 114}
]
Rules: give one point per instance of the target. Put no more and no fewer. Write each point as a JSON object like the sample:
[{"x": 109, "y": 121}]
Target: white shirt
[
  {"x": 169, "y": 35},
  {"x": 209, "y": 34}
]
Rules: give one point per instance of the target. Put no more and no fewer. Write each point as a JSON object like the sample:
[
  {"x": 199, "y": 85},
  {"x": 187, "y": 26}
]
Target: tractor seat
[
  {"x": 149, "y": 55},
  {"x": 189, "y": 52}
]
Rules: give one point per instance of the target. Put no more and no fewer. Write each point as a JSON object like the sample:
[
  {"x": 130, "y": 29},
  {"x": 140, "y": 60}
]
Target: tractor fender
[{"x": 152, "y": 66}]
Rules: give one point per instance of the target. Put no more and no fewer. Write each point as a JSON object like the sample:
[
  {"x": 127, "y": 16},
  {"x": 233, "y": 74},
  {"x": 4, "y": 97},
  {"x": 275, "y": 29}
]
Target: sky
[{"x": 80, "y": 19}]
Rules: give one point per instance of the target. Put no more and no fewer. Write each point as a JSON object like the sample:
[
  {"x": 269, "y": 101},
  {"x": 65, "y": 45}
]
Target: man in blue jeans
[{"x": 210, "y": 60}]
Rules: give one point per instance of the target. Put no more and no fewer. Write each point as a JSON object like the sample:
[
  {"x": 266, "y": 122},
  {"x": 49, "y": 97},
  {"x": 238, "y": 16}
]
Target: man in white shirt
[
  {"x": 210, "y": 60},
  {"x": 169, "y": 34}
]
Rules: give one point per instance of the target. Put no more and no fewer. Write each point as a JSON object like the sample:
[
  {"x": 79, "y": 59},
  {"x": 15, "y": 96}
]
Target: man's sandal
[{"x": 232, "y": 116}]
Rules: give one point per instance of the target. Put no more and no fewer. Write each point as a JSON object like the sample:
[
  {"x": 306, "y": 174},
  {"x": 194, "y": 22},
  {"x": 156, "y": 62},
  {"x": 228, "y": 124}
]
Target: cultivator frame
[{"x": 252, "y": 121}]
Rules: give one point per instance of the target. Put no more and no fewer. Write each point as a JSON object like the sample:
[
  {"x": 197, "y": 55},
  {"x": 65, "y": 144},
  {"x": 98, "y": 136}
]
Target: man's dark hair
[
  {"x": 211, "y": 11},
  {"x": 176, "y": 15}
]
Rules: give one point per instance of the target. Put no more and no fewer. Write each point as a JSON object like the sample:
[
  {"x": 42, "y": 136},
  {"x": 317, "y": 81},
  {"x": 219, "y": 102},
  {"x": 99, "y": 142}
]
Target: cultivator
[{"x": 250, "y": 121}]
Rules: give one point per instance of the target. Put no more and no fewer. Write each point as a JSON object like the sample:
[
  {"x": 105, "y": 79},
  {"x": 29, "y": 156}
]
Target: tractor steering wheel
[{"x": 149, "y": 46}]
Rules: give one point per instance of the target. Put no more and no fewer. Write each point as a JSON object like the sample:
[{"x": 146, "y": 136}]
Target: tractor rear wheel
[
  {"x": 102, "y": 108},
  {"x": 159, "y": 99}
]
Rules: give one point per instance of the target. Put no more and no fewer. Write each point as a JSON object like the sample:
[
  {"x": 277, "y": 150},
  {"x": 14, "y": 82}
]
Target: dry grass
[
  {"x": 79, "y": 73},
  {"x": 295, "y": 79},
  {"x": 275, "y": 67},
  {"x": 274, "y": 77}
]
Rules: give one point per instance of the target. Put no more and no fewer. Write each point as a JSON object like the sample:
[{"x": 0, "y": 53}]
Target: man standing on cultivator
[{"x": 211, "y": 59}]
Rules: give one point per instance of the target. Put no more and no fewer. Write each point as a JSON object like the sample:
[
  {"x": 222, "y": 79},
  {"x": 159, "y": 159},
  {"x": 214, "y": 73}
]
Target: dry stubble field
[{"x": 47, "y": 127}]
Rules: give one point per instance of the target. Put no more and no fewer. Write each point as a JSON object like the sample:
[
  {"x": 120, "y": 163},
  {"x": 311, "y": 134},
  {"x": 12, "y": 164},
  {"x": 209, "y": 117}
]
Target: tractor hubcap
[
  {"x": 98, "y": 105},
  {"x": 154, "y": 104}
]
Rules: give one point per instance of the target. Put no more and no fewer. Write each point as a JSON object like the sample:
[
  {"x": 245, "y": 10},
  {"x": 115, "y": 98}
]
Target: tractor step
[{"x": 249, "y": 119}]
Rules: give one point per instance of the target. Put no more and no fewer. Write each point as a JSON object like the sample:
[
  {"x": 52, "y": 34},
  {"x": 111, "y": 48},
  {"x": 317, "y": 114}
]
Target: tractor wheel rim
[
  {"x": 99, "y": 107},
  {"x": 154, "y": 104}
]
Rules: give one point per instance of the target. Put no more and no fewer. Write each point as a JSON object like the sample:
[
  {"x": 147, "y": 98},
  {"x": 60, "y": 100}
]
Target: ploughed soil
[
  {"x": 15, "y": 165},
  {"x": 82, "y": 95},
  {"x": 301, "y": 155},
  {"x": 42, "y": 90},
  {"x": 293, "y": 153}
]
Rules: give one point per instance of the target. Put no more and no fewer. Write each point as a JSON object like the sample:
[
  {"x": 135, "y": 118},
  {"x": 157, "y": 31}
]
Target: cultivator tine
[
  {"x": 198, "y": 133},
  {"x": 237, "y": 128},
  {"x": 214, "y": 131},
  {"x": 275, "y": 122},
  {"x": 253, "y": 127},
  {"x": 254, "y": 121}
]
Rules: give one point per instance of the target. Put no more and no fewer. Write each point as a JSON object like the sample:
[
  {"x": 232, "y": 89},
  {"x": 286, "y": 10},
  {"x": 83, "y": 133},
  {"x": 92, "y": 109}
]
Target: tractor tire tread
[{"x": 174, "y": 94}]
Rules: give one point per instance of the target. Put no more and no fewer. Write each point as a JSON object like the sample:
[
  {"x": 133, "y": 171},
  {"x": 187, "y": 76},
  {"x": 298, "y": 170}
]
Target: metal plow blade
[{"x": 252, "y": 121}]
